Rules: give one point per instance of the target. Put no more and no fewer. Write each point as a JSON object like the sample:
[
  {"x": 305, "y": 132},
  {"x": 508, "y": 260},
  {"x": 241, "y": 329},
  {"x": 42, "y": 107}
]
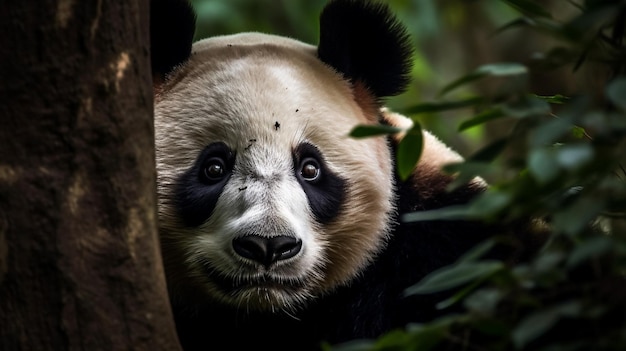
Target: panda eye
[
  {"x": 215, "y": 164},
  {"x": 310, "y": 169},
  {"x": 214, "y": 170}
]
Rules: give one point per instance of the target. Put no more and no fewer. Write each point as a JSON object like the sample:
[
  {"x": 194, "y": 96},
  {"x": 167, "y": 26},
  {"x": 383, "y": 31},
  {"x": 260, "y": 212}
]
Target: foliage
[
  {"x": 282, "y": 17},
  {"x": 563, "y": 161}
]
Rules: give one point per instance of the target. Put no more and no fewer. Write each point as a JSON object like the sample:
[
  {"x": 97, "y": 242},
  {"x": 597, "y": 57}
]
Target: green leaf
[
  {"x": 490, "y": 151},
  {"x": 589, "y": 249},
  {"x": 442, "y": 322},
  {"x": 392, "y": 340},
  {"x": 477, "y": 251},
  {"x": 445, "y": 213},
  {"x": 575, "y": 217},
  {"x": 460, "y": 295},
  {"x": 484, "y": 301},
  {"x": 501, "y": 69},
  {"x": 538, "y": 323},
  {"x": 574, "y": 156},
  {"x": 494, "y": 69},
  {"x": 410, "y": 150},
  {"x": 453, "y": 276},
  {"x": 364, "y": 131},
  {"x": 578, "y": 132},
  {"x": 525, "y": 107},
  {"x": 482, "y": 117},
  {"x": 424, "y": 337},
  {"x": 443, "y": 106},
  {"x": 542, "y": 165},
  {"x": 489, "y": 203},
  {"x": 554, "y": 99},
  {"x": 421, "y": 337},
  {"x": 616, "y": 92},
  {"x": 547, "y": 262},
  {"x": 543, "y": 24},
  {"x": 569, "y": 309},
  {"x": 462, "y": 81},
  {"x": 533, "y": 326},
  {"x": 549, "y": 132},
  {"x": 528, "y": 7}
]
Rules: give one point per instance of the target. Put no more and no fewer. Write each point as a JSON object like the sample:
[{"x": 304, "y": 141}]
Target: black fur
[
  {"x": 366, "y": 43},
  {"x": 325, "y": 194},
  {"x": 196, "y": 196},
  {"x": 172, "y": 27}
]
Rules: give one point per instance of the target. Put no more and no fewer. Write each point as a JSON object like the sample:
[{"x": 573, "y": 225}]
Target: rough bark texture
[{"x": 80, "y": 267}]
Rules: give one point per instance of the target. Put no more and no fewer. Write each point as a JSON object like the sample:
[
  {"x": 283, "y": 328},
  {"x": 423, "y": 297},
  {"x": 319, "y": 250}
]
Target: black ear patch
[
  {"x": 365, "y": 42},
  {"x": 172, "y": 26}
]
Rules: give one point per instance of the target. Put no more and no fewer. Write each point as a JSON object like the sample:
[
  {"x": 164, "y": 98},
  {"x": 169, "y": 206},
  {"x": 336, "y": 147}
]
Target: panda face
[{"x": 264, "y": 200}]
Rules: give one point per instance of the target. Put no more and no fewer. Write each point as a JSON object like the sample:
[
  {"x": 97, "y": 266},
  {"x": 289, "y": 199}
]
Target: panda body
[{"x": 277, "y": 229}]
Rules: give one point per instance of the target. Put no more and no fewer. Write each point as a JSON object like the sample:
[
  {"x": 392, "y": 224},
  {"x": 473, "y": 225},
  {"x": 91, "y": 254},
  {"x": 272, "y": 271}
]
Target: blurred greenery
[{"x": 533, "y": 93}]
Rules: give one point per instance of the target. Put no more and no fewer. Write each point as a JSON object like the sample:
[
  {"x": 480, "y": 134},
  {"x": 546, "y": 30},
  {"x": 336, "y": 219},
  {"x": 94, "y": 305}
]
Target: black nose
[{"x": 267, "y": 250}]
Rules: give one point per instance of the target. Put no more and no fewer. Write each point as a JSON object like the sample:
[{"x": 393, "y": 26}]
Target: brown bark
[{"x": 79, "y": 260}]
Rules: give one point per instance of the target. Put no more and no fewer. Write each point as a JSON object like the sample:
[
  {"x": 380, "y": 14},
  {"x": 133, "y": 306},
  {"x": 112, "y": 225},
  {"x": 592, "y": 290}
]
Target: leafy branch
[{"x": 563, "y": 162}]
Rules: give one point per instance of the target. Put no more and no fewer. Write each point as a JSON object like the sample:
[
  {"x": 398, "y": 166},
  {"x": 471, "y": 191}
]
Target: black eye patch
[
  {"x": 325, "y": 190},
  {"x": 199, "y": 187}
]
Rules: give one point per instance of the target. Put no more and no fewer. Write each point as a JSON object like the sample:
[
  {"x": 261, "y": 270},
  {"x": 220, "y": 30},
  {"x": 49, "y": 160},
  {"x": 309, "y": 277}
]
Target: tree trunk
[{"x": 80, "y": 266}]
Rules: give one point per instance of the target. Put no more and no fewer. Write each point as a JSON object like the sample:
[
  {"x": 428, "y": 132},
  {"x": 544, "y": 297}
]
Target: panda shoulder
[{"x": 428, "y": 177}]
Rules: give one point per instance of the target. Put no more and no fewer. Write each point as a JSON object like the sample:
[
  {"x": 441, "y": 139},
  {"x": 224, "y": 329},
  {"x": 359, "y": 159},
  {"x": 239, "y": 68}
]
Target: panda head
[{"x": 264, "y": 200}]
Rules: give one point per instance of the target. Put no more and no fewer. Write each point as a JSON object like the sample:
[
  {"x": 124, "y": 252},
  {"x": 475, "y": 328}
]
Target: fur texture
[
  {"x": 278, "y": 230},
  {"x": 236, "y": 93}
]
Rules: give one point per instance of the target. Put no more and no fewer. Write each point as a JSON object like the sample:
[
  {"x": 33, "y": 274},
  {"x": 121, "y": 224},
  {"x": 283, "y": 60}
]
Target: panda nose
[{"x": 267, "y": 250}]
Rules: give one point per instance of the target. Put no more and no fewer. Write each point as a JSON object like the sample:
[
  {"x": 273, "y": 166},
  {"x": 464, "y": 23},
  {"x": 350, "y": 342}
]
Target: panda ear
[
  {"x": 172, "y": 26},
  {"x": 366, "y": 43}
]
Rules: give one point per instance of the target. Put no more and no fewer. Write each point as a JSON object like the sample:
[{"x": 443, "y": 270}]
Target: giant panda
[{"x": 277, "y": 229}]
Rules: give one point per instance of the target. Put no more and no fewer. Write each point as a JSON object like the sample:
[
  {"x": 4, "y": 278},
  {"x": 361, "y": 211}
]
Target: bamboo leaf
[
  {"x": 554, "y": 99},
  {"x": 503, "y": 69},
  {"x": 453, "y": 276},
  {"x": 534, "y": 326},
  {"x": 477, "y": 251},
  {"x": 527, "y": 106},
  {"x": 574, "y": 156},
  {"x": 445, "y": 213},
  {"x": 409, "y": 151},
  {"x": 489, "y": 152},
  {"x": 542, "y": 165},
  {"x": 462, "y": 81},
  {"x": 484, "y": 116},
  {"x": 489, "y": 203},
  {"x": 365, "y": 131},
  {"x": 494, "y": 69}
]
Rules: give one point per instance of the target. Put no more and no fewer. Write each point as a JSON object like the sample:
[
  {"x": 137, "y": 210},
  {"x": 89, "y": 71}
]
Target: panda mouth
[{"x": 234, "y": 285}]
